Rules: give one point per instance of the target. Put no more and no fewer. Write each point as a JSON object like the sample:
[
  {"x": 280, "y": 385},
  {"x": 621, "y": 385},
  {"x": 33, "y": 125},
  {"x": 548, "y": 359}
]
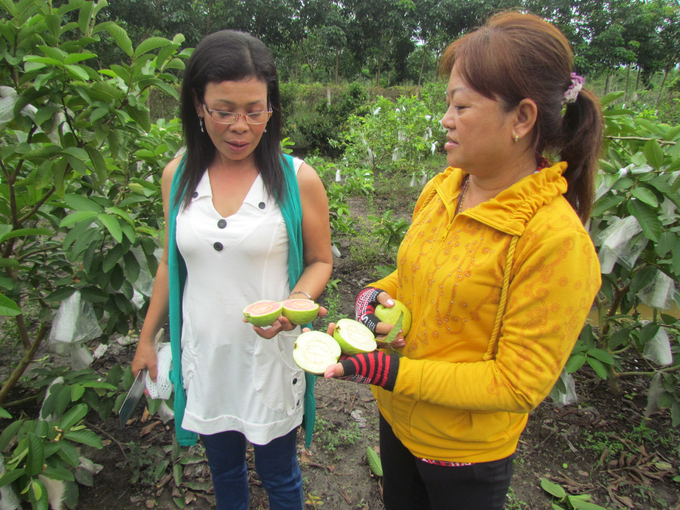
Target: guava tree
[
  {"x": 636, "y": 228},
  {"x": 80, "y": 163}
]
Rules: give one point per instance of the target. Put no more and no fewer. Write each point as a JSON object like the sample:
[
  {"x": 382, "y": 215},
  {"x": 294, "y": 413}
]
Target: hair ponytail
[{"x": 581, "y": 143}]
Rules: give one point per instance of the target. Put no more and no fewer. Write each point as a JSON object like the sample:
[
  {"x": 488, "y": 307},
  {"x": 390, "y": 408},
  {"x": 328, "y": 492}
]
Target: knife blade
[{"x": 133, "y": 397}]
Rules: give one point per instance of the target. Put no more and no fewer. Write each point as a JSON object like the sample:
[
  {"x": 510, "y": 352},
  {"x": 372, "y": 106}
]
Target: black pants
[{"x": 411, "y": 484}]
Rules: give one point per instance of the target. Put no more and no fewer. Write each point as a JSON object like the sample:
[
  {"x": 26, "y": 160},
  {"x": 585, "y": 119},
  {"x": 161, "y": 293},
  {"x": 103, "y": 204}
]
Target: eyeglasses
[{"x": 253, "y": 118}]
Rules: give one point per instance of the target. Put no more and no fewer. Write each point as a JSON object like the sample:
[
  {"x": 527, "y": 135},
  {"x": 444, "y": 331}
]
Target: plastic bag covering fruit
[
  {"x": 354, "y": 337},
  {"x": 315, "y": 351},
  {"x": 300, "y": 311},
  {"x": 391, "y": 315},
  {"x": 263, "y": 312}
]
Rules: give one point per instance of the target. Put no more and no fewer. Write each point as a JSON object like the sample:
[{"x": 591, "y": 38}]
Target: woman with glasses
[{"x": 243, "y": 223}]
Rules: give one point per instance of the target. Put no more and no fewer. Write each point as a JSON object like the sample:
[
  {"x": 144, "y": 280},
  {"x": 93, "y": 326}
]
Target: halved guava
[
  {"x": 390, "y": 315},
  {"x": 354, "y": 337},
  {"x": 300, "y": 311},
  {"x": 315, "y": 351},
  {"x": 263, "y": 313}
]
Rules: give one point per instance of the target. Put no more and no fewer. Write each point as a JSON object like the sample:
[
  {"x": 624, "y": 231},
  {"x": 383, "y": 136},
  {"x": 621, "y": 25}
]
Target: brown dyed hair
[{"x": 516, "y": 56}]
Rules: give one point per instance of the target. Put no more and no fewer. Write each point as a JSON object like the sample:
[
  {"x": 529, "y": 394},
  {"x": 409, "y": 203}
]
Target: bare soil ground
[{"x": 602, "y": 446}]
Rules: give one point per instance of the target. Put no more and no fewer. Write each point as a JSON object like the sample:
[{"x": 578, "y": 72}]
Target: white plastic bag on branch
[
  {"x": 564, "y": 391},
  {"x": 658, "y": 348},
  {"x": 656, "y": 389},
  {"x": 74, "y": 324},
  {"x": 660, "y": 293},
  {"x": 618, "y": 243}
]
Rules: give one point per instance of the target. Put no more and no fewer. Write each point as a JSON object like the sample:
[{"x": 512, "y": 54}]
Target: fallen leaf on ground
[{"x": 148, "y": 428}]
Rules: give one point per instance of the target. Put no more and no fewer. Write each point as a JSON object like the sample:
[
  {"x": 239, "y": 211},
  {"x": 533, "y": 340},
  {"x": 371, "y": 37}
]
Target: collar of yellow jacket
[{"x": 511, "y": 209}]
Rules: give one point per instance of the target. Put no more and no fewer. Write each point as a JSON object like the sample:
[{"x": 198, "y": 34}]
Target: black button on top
[
  {"x": 295, "y": 381},
  {"x": 261, "y": 205},
  {"x": 218, "y": 246},
  {"x": 194, "y": 194},
  {"x": 222, "y": 223}
]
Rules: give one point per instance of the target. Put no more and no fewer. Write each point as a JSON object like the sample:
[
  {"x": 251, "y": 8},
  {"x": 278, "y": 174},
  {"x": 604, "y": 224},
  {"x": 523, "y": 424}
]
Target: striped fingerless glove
[{"x": 375, "y": 368}]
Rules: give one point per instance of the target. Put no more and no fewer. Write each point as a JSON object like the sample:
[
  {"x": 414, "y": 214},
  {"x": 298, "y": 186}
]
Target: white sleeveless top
[{"x": 234, "y": 379}]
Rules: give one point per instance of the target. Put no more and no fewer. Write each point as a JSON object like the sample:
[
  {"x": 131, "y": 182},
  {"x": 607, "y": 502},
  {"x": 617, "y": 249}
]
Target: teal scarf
[{"x": 291, "y": 209}]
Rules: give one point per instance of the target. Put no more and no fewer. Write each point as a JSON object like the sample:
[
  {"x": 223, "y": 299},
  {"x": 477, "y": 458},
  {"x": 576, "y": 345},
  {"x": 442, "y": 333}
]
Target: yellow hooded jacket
[{"x": 498, "y": 296}]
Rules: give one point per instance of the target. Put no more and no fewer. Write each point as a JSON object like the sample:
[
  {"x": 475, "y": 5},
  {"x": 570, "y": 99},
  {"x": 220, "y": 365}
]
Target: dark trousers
[
  {"x": 411, "y": 484},
  {"x": 276, "y": 464}
]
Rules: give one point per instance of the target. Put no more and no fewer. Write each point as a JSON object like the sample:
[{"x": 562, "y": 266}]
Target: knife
[{"x": 133, "y": 397}]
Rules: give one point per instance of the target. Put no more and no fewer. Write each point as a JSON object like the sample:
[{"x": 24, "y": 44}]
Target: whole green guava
[{"x": 390, "y": 315}]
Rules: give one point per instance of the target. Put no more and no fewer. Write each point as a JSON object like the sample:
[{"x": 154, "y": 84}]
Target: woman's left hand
[{"x": 279, "y": 325}]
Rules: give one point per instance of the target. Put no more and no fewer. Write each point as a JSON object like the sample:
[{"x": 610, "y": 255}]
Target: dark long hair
[
  {"x": 516, "y": 56},
  {"x": 229, "y": 55}
]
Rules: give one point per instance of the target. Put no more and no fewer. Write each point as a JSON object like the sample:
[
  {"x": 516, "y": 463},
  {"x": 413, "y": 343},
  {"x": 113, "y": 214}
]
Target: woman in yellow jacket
[{"x": 497, "y": 270}]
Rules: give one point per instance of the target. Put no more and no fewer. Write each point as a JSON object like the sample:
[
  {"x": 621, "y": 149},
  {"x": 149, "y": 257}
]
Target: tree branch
[{"x": 25, "y": 361}]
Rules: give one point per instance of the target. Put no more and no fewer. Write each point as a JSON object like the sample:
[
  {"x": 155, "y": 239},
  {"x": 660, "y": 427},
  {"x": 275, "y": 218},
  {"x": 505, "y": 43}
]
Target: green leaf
[
  {"x": 653, "y": 154},
  {"x": 675, "y": 414},
  {"x": 36, "y": 455},
  {"x": 575, "y": 362},
  {"x": 374, "y": 461},
  {"x": 676, "y": 258},
  {"x": 78, "y": 72},
  {"x": 665, "y": 243},
  {"x": 58, "y": 473},
  {"x": 77, "y": 391},
  {"x": 85, "y": 437},
  {"x": 9, "y": 476},
  {"x": 9, "y": 6},
  {"x": 112, "y": 257},
  {"x": 151, "y": 44},
  {"x": 606, "y": 203},
  {"x": 73, "y": 416},
  {"x": 120, "y": 36},
  {"x": 69, "y": 453},
  {"x": 78, "y": 216},
  {"x": 598, "y": 367},
  {"x": 85, "y": 16},
  {"x": 4, "y": 414},
  {"x": 579, "y": 504},
  {"x": 81, "y": 203},
  {"x": 132, "y": 267},
  {"x": 648, "y": 219},
  {"x": 60, "y": 294},
  {"x": 113, "y": 226},
  {"x": 72, "y": 58},
  {"x": 94, "y": 294},
  {"x": 25, "y": 232},
  {"x": 8, "y": 307},
  {"x": 140, "y": 116},
  {"x": 9, "y": 433},
  {"x": 601, "y": 355},
  {"x": 552, "y": 488},
  {"x": 98, "y": 163},
  {"x": 645, "y": 195}
]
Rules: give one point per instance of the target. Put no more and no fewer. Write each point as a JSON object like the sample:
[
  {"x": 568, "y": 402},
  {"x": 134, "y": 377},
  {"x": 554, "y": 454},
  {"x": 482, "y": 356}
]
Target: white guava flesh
[
  {"x": 315, "y": 351},
  {"x": 354, "y": 337}
]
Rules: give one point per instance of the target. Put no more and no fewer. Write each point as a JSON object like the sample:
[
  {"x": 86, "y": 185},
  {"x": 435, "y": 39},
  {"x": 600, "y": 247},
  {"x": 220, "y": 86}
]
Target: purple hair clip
[{"x": 572, "y": 92}]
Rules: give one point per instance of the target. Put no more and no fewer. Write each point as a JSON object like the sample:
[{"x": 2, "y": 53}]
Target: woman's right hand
[
  {"x": 146, "y": 356},
  {"x": 365, "y": 304}
]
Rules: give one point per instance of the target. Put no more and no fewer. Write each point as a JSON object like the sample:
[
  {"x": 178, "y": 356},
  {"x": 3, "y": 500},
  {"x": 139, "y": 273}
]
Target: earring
[
  {"x": 516, "y": 138},
  {"x": 265, "y": 130},
  {"x": 200, "y": 123}
]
